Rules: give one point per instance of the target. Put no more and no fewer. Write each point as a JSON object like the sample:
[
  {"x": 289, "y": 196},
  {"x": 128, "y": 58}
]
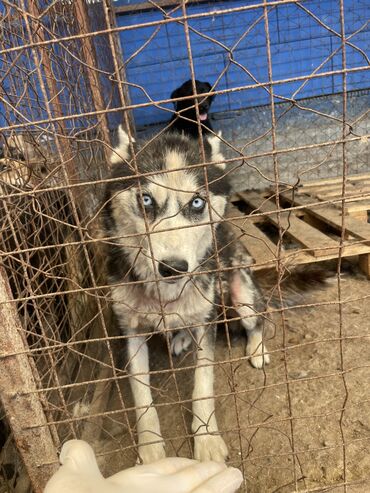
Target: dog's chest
[{"x": 137, "y": 310}]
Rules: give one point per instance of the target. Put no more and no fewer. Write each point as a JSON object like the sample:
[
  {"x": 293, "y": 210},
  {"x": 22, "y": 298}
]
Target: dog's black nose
[{"x": 172, "y": 267}]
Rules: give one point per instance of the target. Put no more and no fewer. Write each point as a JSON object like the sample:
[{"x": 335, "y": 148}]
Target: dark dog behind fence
[{"x": 301, "y": 424}]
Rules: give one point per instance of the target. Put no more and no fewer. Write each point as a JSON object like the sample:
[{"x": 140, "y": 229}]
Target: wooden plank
[
  {"x": 350, "y": 192},
  {"x": 334, "y": 188},
  {"x": 19, "y": 396},
  {"x": 336, "y": 180},
  {"x": 332, "y": 216},
  {"x": 317, "y": 242},
  {"x": 352, "y": 204},
  {"x": 361, "y": 186},
  {"x": 361, "y": 205},
  {"x": 361, "y": 215},
  {"x": 298, "y": 257},
  {"x": 259, "y": 246}
]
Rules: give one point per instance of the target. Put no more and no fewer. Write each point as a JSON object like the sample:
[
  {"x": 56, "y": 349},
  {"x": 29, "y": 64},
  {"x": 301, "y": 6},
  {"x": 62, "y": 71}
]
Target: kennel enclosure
[{"x": 291, "y": 81}]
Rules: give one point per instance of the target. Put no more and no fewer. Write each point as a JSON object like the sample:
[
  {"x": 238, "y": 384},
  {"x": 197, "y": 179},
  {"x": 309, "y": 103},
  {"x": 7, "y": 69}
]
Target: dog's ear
[
  {"x": 121, "y": 152},
  {"x": 176, "y": 94},
  {"x": 209, "y": 87}
]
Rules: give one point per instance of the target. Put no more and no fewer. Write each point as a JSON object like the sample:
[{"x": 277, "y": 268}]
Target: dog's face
[
  {"x": 187, "y": 107},
  {"x": 162, "y": 218}
]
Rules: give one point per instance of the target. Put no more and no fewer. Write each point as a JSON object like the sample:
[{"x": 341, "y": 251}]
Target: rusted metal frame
[
  {"x": 157, "y": 4},
  {"x": 118, "y": 54},
  {"x": 279, "y": 264},
  {"x": 342, "y": 241},
  {"x": 214, "y": 363},
  {"x": 39, "y": 318},
  {"x": 147, "y": 228},
  {"x": 202, "y": 156},
  {"x": 211, "y": 93},
  {"x": 319, "y": 67},
  {"x": 213, "y": 230},
  {"x": 255, "y": 217},
  {"x": 17, "y": 387},
  {"x": 57, "y": 108},
  {"x": 320, "y": 489},
  {"x": 195, "y": 166},
  {"x": 164, "y": 21},
  {"x": 49, "y": 356},
  {"x": 70, "y": 173},
  {"x": 92, "y": 429},
  {"x": 243, "y": 391},
  {"x": 14, "y": 93},
  {"x": 273, "y": 422},
  {"x": 348, "y": 302},
  {"x": 88, "y": 50},
  {"x": 333, "y": 31},
  {"x": 66, "y": 153},
  {"x": 100, "y": 403},
  {"x": 303, "y": 451}
]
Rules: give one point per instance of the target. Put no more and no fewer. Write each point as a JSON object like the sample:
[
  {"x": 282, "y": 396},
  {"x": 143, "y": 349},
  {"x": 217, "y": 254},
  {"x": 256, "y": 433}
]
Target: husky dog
[{"x": 165, "y": 253}]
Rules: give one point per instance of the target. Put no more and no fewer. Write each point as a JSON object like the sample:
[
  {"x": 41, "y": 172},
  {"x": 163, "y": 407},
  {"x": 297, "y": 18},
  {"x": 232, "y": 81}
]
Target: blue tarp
[{"x": 299, "y": 46}]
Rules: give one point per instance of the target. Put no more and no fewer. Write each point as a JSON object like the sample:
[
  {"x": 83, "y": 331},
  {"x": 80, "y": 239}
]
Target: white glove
[
  {"x": 177, "y": 475},
  {"x": 79, "y": 473}
]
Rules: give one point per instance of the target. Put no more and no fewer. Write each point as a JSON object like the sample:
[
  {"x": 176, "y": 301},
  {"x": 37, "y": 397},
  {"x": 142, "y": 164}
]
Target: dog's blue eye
[
  {"x": 198, "y": 203},
  {"x": 147, "y": 200}
]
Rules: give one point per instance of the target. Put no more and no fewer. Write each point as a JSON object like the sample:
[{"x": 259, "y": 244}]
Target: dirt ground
[{"x": 285, "y": 426}]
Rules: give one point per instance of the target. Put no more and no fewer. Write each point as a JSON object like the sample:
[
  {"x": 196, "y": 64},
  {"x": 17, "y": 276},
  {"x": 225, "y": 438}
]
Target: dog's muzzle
[
  {"x": 172, "y": 267},
  {"x": 203, "y": 112}
]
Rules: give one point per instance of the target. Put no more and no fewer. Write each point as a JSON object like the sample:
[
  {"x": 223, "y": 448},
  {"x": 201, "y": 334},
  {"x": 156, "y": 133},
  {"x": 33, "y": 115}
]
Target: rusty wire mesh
[{"x": 300, "y": 424}]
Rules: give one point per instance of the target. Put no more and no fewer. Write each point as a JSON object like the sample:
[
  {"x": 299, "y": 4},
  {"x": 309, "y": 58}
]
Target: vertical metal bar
[
  {"x": 279, "y": 265},
  {"x": 42, "y": 58},
  {"x": 88, "y": 49},
  {"x": 342, "y": 240},
  {"x": 128, "y": 123},
  {"x": 214, "y": 238},
  {"x": 117, "y": 54},
  {"x": 19, "y": 397},
  {"x": 70, "y": 172}
]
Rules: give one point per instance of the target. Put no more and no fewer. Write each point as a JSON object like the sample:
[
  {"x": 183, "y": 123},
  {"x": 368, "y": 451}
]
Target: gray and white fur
[{"x": 157, "y": 212}]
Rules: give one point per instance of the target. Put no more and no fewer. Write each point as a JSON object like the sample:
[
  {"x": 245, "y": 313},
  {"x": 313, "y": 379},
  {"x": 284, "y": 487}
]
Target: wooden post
[
  {"x": 119, "y": 70},
  {"x": 88, "y": 50},
  {"x": 21, "y": 402}
]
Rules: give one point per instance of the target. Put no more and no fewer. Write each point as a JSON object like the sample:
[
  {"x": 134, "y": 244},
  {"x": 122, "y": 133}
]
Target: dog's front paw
[
  {"x": 180, "y": 342},
  {"x": 259, "y": 356},
  {"x": 210, "y": 447},
  {"x": 152, "y": 452}
]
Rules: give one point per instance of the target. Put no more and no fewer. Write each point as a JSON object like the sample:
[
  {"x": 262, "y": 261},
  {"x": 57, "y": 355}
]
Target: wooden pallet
[
  {"x": 312, "y": 231},
  {"x": 357, "y": 195}
]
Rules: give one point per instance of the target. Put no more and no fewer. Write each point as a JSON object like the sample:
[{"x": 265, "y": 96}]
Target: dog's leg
[
  {"x": 208, "y": 444},
  {"x": 148, "y": 428},
  {"x": 243, "y": 296},
  {"x": 181, "y": 342}
]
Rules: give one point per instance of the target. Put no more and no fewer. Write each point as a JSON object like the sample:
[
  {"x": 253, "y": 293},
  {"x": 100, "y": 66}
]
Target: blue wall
[{"x": 299, "y": 44}]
